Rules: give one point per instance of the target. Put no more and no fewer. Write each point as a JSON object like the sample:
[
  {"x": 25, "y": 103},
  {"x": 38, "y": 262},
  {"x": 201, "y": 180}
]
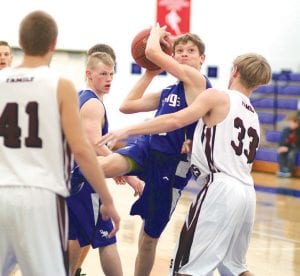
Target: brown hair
[
  {"x": 185, "y": 38},
  {"x": 4, "y": 43},
  {"x": 38, "y": 30},
  {"x": 254, "y": 70},
  {"x": 101, "y": 47}
]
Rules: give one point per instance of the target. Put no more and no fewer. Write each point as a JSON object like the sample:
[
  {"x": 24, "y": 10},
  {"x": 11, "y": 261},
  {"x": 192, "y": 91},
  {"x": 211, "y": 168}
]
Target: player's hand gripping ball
[{"x": 138, "y": 46}]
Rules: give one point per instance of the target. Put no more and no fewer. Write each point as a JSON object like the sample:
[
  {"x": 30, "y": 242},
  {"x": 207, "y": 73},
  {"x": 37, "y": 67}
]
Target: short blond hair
[
  {"x": 254, "y": 70},
  {"x": 93, "y": 60}
]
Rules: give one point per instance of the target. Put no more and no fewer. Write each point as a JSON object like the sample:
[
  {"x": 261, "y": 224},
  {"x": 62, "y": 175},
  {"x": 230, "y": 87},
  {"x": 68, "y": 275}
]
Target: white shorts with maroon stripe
[
  {"x": 32, "y": 227},
  {"x": 217, "y": 230}
]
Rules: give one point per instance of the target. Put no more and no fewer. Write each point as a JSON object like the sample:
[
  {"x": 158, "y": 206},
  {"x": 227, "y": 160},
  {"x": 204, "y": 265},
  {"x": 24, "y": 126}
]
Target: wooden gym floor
[
  {"x": 275, "y": 244},
  {"x": 274, "y": 248}
]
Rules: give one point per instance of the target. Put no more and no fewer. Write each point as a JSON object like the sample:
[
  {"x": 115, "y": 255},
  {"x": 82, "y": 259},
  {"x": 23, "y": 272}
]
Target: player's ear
[
  {"x": 235, "y": 71},
  {"x": 53, "y": 45},
  {"x": 202, "y": 58},
  {"x": 88, "y": 74}
]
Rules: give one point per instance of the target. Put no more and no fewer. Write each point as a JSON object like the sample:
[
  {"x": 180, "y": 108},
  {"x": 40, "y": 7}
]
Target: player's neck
[
  {"x": 34, "y": 61},
  {"x": 242, "y": 89}
]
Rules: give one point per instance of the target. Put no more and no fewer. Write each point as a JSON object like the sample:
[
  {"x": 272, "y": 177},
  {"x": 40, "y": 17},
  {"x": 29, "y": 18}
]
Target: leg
[
  {"x": 291, "y": 159},
  {"x": 282, "y": 161},
  {"x": 110, "y": 260},
  {"x": 39, "y": 224},
  {"x": 74, "y": 255},
  {"x": 114, "y": 164},
  {"x": 83, "y": 253},
  {"x": 146, "y": 254}
]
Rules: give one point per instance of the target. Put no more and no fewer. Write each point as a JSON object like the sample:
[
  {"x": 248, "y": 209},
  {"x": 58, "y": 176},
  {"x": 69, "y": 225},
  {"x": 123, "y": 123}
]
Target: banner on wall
[{"x": 175, "y": 14}]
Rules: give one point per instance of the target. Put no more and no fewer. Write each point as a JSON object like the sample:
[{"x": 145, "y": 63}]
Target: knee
[
  {"x": 148, "y": 244},
  {"x": 113, "y": 165}
]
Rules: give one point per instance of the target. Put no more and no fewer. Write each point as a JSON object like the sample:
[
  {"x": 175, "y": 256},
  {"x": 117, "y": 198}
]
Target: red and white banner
[{"x": 175, "y": 14}]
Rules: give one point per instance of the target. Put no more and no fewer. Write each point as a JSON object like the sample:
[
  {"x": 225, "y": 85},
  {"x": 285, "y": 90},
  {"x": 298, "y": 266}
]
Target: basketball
[{"x": 138, "y": 46}]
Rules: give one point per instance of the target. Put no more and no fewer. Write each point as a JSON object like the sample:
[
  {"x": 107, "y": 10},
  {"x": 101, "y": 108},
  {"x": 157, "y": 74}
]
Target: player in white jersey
[
  {"x": 39, "y": 119},
  {"x": 218, "y": 227}
]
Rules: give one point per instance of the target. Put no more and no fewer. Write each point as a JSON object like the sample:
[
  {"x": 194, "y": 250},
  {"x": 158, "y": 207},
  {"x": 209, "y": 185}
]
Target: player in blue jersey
[
  {"x": 73, "y": 244},
  {"x": 86, "y": 227},
  {"x": 158, "y": 159}
]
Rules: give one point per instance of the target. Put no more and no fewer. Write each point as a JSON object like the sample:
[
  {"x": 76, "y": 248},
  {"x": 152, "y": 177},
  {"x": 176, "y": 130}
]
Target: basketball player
[
  {"x": 74, "y": 247},
  {"x": 158, "y": 159},
  {"x": 38, "y": 111},
  {"x": 218, "y": 226},
  {"x": 5, "y": 55},
  {"x": 73, "y": 244},
  {"x": 85, "y": 228}
]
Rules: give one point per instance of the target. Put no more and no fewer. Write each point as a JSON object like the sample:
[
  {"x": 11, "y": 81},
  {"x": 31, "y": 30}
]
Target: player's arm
[
  {"x": 92, "y": 115},
  {"x": 136, "y": 100},
  {"x": 92, "y": 118},
  {"x": 204, "y": 104},
  {"x": 84, "y": 154}
]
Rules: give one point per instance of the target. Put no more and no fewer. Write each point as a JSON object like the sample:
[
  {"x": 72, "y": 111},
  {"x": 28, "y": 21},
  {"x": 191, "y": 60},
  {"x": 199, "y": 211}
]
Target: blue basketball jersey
[
  {"x": 172, "y": 100},
  {"x": 161, "y": 165},
  {"x": 85, "y": 222},
  {"x": 84, "y": 96}
]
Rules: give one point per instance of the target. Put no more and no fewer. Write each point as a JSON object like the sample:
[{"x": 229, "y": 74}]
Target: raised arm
[
  {"x": 136, "y": 100},
  {"x": 188, "y": 74},
  {"x": 84, "y": 154}
]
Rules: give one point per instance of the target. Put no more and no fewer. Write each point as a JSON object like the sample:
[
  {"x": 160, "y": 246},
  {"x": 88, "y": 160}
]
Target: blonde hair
[
  {"x": 93, "y": 60},
  {"x": 254, "y": 70}
]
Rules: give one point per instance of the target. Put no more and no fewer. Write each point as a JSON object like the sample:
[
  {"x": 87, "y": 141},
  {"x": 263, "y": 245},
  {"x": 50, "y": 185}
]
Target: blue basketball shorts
[
  {"x": 164, "y": 182},
  {"x": 85, "y": 222}
]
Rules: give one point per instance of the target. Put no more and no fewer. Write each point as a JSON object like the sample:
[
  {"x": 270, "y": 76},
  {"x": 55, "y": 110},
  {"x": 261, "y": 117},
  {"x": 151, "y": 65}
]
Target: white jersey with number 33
[
  {"x": 33, "y": 151},
  {"x": 231, "y": 145}
]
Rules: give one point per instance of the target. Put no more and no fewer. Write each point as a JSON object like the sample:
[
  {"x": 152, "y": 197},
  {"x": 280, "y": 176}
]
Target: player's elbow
[
  {"x": 80, "y": 152},
  {"x": 125, "y": 108}
]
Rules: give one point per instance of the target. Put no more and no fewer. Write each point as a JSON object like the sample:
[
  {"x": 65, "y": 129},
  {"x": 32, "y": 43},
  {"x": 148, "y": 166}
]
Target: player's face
[
  {"x": 101, "y": 78},
  {"x": 5, "y": 56},
  {"x": 188, "y": 53}
]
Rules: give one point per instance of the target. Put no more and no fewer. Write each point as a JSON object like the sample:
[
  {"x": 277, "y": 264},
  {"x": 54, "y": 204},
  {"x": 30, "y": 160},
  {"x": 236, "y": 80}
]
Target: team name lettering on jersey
[
  {"x": 248, "y": 107},
  {"x": 172, "y": 100},
  {"x": 19, "y": 79}
]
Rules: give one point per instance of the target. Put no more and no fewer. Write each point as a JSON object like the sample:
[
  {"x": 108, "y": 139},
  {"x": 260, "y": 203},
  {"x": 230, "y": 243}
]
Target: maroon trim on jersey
[
  {"x": 68, "y": 161},
  {"x": 208, "y": 137},
  {"x": 62, "y": 217},
  {"x": 188, "y": 229}
]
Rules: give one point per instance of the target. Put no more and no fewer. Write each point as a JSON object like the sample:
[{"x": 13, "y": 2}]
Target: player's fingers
[
  {"x": 115, "y": 229},
  {"x": 103, "y": 140},
  {"x": 112, "y": 232}
]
